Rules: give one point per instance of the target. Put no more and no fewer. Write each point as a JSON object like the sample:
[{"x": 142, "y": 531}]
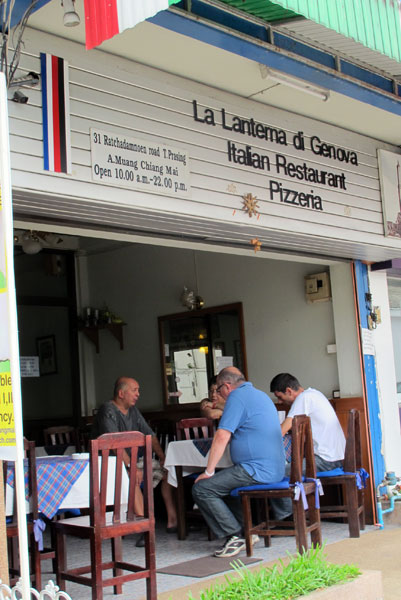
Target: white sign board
[
  {"x": 29, "y": 366},
  {"x": 222, "y": 362},
  {"x": 368, "y": 346},
  {"x": 140, "y": 164}
]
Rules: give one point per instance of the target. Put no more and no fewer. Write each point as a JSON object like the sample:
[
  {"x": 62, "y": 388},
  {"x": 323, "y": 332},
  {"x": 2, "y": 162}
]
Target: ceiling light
[
  {"x": 295, "y": 83},
  {"x": 71, "y": 17},
  {"x": 31, "y": 243}
]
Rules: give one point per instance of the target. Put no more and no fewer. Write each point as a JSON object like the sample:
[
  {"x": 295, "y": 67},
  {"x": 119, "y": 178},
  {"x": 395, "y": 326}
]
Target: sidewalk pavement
[{"x": 375, "y": 550}]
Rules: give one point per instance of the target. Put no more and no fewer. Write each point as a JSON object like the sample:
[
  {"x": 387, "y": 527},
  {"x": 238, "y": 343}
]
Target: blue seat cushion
[
  {"x": 284, "y": 484},
  {"x": 332, "y": 473}
]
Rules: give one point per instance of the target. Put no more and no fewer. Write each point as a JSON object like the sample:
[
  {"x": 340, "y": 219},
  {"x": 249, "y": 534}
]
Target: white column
[{"x": 386, "y": 377}]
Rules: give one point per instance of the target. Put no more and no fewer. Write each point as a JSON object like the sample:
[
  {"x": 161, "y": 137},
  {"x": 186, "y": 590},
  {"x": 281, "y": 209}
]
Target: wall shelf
[{"x": 92, "y": 333}]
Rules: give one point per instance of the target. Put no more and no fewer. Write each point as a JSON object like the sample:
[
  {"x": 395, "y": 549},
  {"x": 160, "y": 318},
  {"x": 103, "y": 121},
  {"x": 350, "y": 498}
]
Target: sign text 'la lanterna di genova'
[{"x": 301, "y": 172}]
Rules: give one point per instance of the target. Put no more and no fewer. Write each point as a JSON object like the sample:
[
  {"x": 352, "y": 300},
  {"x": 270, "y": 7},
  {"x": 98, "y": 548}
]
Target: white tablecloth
[
  {"x": 184, "y": 453},
  {"x": 43, "y": 451},
  {"x": 78, "y": 495}
]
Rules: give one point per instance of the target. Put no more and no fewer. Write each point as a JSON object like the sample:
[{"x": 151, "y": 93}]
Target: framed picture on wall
[{"x": 46, "y": 347}]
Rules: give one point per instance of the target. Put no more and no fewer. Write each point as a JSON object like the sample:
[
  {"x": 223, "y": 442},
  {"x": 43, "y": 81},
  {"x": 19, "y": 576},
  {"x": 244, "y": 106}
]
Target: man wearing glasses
[{"x": 251, "y": 425}]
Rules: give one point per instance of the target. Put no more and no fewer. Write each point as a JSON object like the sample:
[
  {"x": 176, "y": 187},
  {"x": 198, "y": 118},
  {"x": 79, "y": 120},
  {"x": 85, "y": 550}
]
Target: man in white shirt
[{"x": 327, "y": 434}]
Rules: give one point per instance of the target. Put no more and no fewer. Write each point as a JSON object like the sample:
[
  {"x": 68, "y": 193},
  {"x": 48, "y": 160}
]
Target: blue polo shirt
[{"x": 256, "y": 442}]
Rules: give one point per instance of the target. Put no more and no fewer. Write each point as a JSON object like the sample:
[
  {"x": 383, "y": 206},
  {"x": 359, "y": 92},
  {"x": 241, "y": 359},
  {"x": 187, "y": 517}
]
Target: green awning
[{"x": 374, "y": 23}]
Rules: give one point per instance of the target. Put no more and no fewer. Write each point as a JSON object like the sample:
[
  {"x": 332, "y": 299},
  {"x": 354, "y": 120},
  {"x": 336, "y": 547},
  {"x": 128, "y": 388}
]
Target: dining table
[
  {"x": 63, "y": 484},
  {"x": 185, "y": 458}
]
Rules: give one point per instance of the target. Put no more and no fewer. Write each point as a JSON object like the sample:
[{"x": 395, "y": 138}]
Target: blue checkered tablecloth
[
  {"x": 55, "y": 477},
  {"x": 287, "y": 446}
]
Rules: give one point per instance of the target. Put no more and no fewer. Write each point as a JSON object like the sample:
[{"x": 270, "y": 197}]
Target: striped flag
[
  {"x": 56, "y": 114},
  {"x": 106, "y": 18}
]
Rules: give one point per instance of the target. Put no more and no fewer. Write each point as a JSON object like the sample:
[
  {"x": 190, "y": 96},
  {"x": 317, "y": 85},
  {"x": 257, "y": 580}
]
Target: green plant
[{"x": 303, "y": 574}]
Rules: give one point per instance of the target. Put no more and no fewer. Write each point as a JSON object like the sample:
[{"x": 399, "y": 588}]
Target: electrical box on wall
[{"x": 317, "y": 287}]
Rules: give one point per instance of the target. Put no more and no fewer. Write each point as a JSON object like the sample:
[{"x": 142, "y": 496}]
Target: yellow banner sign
[{"x": 7, "y": 431}]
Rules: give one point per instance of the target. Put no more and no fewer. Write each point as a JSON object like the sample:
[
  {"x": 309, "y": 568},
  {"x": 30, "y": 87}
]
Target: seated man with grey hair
[
  {"x": 250, "y": 424},
  {"x": 121, "y": 414}
]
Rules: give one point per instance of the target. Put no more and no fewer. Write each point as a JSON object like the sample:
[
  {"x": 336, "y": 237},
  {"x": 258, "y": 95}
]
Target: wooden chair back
[
  {"x": 353, "y": 453},
  {"x": 302, "y": 449},
  {"x": 29, "y": 452},
  {"x": 196, "y": 428},
  {"x": 165, "y": 432},
  {"x": 63, "y": 434},
  {"x": 115, "y": 444}
]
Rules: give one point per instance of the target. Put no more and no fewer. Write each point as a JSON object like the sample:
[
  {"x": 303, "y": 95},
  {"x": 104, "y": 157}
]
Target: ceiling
[{"x": 161, "y": 48}]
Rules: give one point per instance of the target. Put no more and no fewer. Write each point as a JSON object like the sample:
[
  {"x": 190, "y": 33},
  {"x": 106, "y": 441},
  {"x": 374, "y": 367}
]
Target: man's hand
[{"x": 203, "y": 476}]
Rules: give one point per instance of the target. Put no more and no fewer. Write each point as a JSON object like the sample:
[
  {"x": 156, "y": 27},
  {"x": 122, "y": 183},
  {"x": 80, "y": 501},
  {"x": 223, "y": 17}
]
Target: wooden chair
[
  {"x": 62, "y": 435},
  {"x": 187, "y": 429},
  {"x": 302, "y": 449},
  {"x": 12, "y": 527},
  {"x": 164, "y": 430},
  {"x": 351, "y": 504},
  {"x": 112, "y": 524}
]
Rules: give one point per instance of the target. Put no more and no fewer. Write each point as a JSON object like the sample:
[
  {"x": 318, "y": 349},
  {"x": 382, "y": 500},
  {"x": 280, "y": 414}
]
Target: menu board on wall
[{"x": 140, "y": 164}]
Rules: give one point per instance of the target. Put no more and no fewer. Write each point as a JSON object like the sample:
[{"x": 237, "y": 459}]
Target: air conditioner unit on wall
[{"x": 317, "y": 287}]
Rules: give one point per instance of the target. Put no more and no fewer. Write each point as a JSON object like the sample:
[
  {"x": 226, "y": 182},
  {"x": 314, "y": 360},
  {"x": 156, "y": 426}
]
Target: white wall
[
  {"x": 386, "y": 377},
  {"x": 283, "y": 332},
  {"x": 132, "y": 101},
  {"x": 349, "y": 366}
]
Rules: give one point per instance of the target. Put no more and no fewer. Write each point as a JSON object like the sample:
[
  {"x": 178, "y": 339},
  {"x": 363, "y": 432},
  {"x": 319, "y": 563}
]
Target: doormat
[{"x": 206, "y": 566}]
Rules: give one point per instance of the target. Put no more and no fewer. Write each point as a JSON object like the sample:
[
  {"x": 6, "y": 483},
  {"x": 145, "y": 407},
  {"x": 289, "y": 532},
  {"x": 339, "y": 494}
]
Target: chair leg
[
  {"x": 60, "y": 560},
  {"x": 96, "y": 567},
  {"x": 267, "y": 538},
  {"x": 300, "y": 526},
  {"x": 36, "y": 563},
  {"x": 150, "y": 561},
  {"x": 246, "y": 511},
  {"x": 116, "y": 556},
  {"x": 181, "y": 517},
  {"x": 314, "y": 519},
  {"x": 362, "y": 513},
  {"x": 352, "y": 503}
]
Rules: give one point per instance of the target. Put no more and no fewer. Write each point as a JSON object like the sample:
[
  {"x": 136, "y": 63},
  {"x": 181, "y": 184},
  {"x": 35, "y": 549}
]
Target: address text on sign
[{"x": 140, "y": 164}]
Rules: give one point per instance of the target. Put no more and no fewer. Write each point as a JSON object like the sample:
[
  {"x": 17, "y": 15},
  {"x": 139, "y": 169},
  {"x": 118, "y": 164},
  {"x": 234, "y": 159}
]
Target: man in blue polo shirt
[{"x": 251, "y": 425}]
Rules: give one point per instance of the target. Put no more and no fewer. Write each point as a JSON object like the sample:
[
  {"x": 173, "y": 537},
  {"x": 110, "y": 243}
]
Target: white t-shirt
[{"x": 328, "y": 437}]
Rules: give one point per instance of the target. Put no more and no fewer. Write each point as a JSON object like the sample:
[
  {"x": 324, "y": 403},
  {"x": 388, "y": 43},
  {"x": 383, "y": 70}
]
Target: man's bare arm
[
  {"x": 286, "y": 425},
  {"x": 158, "y": 450},
  {"x": 221, "y": 439}
]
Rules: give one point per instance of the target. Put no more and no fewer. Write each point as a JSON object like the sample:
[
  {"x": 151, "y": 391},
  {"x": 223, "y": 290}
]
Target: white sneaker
[
  {"x": 232, "y": 546},
  {"x": 254, "y": 539}
]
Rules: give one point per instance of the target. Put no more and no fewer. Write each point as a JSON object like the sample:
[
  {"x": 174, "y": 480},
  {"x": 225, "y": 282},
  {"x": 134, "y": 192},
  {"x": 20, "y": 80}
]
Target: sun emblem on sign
[
  {"x": 250, "y": 204},
  {"x": 256, "y": 243}
]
